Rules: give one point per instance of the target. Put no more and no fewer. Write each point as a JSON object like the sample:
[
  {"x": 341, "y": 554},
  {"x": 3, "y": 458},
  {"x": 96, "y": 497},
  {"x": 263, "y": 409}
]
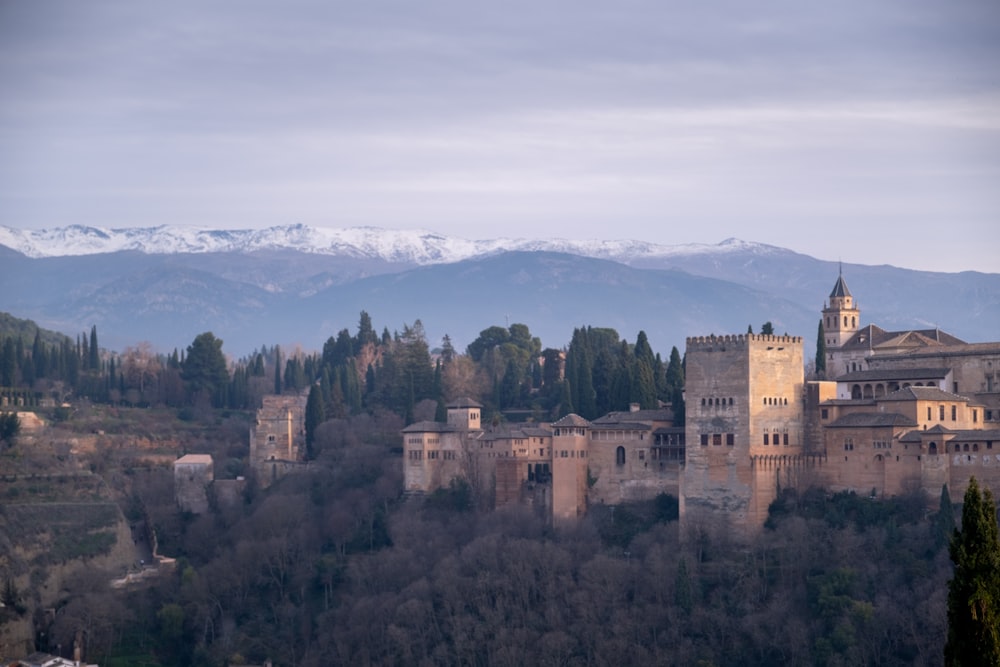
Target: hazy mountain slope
[
  {"x": 965, "y": 304},
  {"x": 552, "y": 293},
  {"x": 284, "y": 295}
]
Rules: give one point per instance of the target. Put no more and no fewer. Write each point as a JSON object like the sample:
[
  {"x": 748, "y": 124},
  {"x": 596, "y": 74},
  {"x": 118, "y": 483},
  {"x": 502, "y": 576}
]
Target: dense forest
[
  {"x": 505, "y": 368},
  {"x": 337, "y": 566}
]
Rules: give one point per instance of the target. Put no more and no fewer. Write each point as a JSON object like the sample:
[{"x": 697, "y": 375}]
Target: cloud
[{"x": 624, "y": 119}]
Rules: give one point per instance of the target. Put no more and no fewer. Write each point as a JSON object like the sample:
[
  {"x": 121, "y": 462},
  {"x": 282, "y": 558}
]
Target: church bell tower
[{"x": 840, "y": 315}]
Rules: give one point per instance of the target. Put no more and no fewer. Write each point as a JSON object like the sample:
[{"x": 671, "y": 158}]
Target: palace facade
[{"x": 901, "y": 412}]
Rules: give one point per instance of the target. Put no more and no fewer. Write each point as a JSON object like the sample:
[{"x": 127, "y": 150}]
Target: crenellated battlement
[{"x": 712, "y": 343}]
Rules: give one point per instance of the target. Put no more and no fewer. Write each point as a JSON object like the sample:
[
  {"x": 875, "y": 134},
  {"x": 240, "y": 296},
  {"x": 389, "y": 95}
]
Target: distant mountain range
[{"x": 300, "y": 285}]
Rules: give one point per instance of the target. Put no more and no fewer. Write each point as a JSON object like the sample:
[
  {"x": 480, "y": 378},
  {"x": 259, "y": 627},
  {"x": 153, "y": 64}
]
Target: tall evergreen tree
[
  {"x": 8, "y": 364},
  {"x": 767, "y": 329},
  {"x": 315, "y": 415},
  {"x": 277, "y": 370},
  {"x": 95, "y": 356},
  {"x": 204, "y": 368},
  {"x": 366, "y": 333},
  {"x": 820, "y": 351},
  {"x": 38, "y": 356},
  {"x": 974, "y": 592}
]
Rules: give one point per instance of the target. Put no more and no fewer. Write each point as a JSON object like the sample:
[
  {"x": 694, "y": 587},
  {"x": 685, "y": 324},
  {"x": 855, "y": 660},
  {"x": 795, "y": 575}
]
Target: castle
[{"x": 905, "y": 411}]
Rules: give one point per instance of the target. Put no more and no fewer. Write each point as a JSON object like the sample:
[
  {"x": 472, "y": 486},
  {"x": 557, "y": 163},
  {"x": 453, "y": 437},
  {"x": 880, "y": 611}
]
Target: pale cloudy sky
[{"x": 856, "y": 130}]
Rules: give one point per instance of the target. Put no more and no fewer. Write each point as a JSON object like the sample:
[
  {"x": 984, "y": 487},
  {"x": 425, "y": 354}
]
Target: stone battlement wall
[{"x": 710, "y": 342}]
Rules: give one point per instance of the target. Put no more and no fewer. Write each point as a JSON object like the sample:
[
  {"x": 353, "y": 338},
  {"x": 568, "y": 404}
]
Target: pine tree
[
  {"x": 974, "y": 592},
  {"x": 204, "y": 368},
  {"x": 820, "y": 351}
]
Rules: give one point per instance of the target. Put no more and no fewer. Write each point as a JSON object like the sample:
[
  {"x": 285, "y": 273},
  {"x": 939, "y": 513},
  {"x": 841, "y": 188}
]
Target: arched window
[
  {"x": 932, "y": 448},
  {"x": 620, "y": 456},
  {"x": 854, "y": 322}
]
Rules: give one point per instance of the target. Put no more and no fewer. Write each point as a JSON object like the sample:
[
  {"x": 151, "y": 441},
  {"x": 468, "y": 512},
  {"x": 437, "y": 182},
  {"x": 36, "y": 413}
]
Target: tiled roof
[
  {"x": 430, "y": 427},
  {"x": 659, "y": 414},
  {"x": 895, "y": 374},
  {"x": 464, "y": 402},
  {"x": 984, "y": 434},
  {"x": 840, "y": 288},
  {"x": 872, "y": 419},
  {"x": 601, "y": 425},
  {"x": 971, "y": 435},
  {"x": 572, "y": 420},
  {"x": 511, "y": 431},
  {"x": 201, "y": 459},
  {"x": 921, "y": 394},
  {"x": 872, "y": 337}
]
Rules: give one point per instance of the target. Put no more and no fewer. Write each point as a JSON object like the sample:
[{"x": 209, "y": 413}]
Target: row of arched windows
[
  {"x": 716, "y": 401},
  {"x": 853, "y": 320}
]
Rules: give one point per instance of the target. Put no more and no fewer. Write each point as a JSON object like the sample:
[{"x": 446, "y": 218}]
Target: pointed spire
[{"x": 840, "y": 288}]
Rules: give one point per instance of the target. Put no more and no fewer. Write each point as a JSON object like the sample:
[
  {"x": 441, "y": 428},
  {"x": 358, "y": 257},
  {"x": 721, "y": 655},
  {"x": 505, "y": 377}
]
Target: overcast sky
[{"x": 855, "y": 130}]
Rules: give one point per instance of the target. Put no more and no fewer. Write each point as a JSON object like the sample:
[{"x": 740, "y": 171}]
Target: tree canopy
[
  {"x": 974, "y": 592},
  {"x": 204, "y": 368}
]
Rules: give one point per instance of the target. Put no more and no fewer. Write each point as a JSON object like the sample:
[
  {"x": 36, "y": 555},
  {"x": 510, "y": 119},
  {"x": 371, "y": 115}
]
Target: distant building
[
  {"x": 278, "y": 437},
  {"x": 904, "y": 412},
  {"x": 193, "y": 474}
]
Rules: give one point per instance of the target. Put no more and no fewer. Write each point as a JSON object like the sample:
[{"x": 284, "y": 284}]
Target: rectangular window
[
  {"x": 928, "y": 413},
  {"x": 717, "y": 439},
  {"x": 730, "y": 439},
  {"x": 826, "y": 413},
  {"x": 975, "y": 416},
  {"x": 954, "y": 412},
  {"x": 765, "y": 439},
  {"x": 786, "y": 438},
  {"x": 941, "y": 413},
  {"x": 704, "y": 439}
]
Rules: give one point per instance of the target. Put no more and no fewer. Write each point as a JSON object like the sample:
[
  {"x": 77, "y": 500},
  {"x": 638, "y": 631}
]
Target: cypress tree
[
  {"x": 38, "y": 356},
  {"x": 315, "y": 415},
  {"x": 277, "y": 370},
  {"x": 95, "y": 357},
  {"x": 8, "y": 364},
  {"x": 820, "y": 351},
  {"x": 974, "y": 592}
]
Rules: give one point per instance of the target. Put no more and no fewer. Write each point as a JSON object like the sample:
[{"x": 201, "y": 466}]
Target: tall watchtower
[
  {"x": 569, "y": 466},
  {"x": 744, "y": 425},
  {"x": 840, "y": 315},
  {"x": 465, "y": 413}
]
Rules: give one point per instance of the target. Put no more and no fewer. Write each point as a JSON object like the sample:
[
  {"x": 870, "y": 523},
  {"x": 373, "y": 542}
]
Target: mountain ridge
[
  {"x": 267, "y": 293},
  {"x": 418, "y": 247}
]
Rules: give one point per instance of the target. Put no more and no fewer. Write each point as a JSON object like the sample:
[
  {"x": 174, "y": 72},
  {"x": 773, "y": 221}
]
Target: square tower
[{"x": 744, "y": 425}]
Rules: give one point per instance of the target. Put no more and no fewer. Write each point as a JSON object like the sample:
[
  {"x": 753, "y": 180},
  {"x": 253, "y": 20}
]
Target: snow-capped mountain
[
  {"x": 417, "y": 247},
  {"x": 302, "y": 284}
]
